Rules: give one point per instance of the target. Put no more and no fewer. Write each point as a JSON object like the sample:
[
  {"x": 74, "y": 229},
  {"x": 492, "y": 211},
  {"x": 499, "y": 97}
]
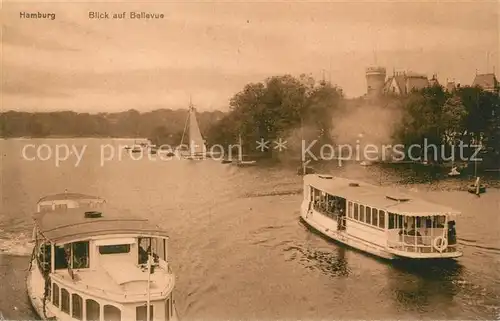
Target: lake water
[{"x": 238, "y": 248}]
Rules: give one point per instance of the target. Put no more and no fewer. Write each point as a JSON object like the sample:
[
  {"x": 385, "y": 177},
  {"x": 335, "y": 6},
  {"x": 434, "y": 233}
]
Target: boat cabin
[
  {"x": 68, "y": 200},
  {"x": 94, "y": 265},
  {"x": 382, "y": 217}
]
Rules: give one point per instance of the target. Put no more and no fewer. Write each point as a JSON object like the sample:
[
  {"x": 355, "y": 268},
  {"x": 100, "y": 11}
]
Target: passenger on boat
[
  {"x": 143, "y": 254},
  {"x": 452, "y": 233},
  {"x": 411, "y": 233}
]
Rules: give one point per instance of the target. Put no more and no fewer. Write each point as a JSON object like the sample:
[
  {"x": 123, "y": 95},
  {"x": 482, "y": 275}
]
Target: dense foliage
[
  {"x": 273, "y": 109},
  {"x": 467, "y": 115},
  {"x": 288, "y": 107}
]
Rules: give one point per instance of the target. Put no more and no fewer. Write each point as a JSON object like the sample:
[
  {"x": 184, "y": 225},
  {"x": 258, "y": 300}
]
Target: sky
[{"x": 210, "y": 50}]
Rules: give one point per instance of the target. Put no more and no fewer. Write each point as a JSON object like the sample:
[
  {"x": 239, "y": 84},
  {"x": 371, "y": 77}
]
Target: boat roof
[
  {"x": 389, "y": 199},
  {"x": 65, "y": 225},
  {"x": 68, "y": 196}
]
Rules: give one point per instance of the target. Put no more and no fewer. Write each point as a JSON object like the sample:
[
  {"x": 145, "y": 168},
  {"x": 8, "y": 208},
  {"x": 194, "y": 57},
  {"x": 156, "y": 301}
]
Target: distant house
[
  {"x": 402, "y": 83},
  {"x": 433, "y": 81},
  {"x": 451, "y": 86},
  {"x": 487, "y": 82}
]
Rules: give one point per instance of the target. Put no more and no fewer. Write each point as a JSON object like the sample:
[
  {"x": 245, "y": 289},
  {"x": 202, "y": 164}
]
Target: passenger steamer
[
  {"x": 92, "y": 263},
  {"x": 377, "y": 220}
]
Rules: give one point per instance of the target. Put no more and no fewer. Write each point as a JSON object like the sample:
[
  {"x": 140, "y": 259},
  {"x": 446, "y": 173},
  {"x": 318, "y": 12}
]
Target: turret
[{"x": 375, "y": 80}]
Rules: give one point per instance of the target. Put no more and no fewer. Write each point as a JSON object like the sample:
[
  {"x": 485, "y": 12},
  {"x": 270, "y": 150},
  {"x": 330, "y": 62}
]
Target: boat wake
[
  {"x": 274, "y": 193},
  {"x": 472, "y": 243},
  {"x": 16, "y": 244},
  {"x": 326, "y": 262}
]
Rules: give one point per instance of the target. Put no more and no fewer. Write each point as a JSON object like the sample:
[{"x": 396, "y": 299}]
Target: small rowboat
[{"x": 474, "y": 189}]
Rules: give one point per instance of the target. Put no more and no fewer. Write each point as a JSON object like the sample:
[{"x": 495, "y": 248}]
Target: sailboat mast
[
  {"x": 240, "y": 157},
  {"x": 301, "y": 141}
]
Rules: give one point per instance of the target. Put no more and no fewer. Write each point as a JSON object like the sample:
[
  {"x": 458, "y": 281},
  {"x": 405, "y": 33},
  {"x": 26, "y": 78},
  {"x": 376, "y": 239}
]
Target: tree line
[
  {"x": 292, "y": 108},
  {"x": 283, "y": 105},
  {"x": 160, "y": 126}
]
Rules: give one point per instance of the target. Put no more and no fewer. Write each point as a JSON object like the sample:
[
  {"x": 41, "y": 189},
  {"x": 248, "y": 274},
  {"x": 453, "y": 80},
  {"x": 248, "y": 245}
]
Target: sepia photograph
[{"x": 249, "y": 160}]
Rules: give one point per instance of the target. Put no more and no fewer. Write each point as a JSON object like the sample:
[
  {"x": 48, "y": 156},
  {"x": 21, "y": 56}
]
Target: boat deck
[{"x": 118, "y": 282}]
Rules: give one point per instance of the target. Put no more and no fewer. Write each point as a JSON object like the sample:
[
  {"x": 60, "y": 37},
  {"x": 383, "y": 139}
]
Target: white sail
[{"x": 196, "y": 142}]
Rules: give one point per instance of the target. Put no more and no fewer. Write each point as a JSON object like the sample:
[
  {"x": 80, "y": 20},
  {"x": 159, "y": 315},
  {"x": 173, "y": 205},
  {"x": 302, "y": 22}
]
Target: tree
[
  {"x": 452, "y": 120},
  {"x": 274, "y": 108}
]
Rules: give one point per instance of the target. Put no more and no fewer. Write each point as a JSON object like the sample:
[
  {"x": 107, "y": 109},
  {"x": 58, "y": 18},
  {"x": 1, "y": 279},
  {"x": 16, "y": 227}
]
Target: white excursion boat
[
  {"x": 91, "y": 262},
  {"x": 377, "y": 220}
]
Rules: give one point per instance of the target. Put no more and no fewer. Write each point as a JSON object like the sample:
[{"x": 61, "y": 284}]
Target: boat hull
[
  {"x": 309, "y": 216},
  {"x": 474, "y": 190},
  {"x": 246, "y": 163},
  {"x": 343, "y": 237},
  {"x": 35, "y": 290}
]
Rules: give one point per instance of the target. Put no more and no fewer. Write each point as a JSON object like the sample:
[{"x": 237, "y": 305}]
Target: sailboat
[
  {"x": 240, "y": 162},
  {"x": 196, "y": 148},
  {"x": 476, "y": 188}
]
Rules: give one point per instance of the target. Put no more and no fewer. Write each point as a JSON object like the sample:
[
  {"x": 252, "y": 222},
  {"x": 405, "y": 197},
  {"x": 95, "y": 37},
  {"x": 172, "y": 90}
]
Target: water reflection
[
  {"x": 332, "y": 262},
  {"x": 424, "y": 285}
]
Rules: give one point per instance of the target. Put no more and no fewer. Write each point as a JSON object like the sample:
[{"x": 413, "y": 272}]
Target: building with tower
[
  {"x": 375, "y": 80},
  {"x": 402, "y": 83}
]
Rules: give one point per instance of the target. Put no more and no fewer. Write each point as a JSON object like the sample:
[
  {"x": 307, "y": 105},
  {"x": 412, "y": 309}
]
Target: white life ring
[{"x": 440, "y": 244}]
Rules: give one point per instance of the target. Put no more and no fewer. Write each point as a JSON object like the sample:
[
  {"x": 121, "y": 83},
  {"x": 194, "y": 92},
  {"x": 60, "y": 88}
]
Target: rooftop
[
  {"x": 390, "y": 199},
  {"x": 68, "y": 196},
  {"x": 64, "y": 225},
  {"x": 485, "y": 80}
]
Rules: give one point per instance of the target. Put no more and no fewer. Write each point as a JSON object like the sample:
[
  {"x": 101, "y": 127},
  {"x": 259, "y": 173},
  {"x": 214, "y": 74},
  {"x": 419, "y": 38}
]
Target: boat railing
[
  {"x": 418, "y": 241},
  {"x": 110, "y": 294}
]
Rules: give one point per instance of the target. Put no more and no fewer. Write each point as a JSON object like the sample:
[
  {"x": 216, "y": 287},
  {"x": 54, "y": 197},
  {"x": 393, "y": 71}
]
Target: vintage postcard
[{"x": 249, "y": 160}]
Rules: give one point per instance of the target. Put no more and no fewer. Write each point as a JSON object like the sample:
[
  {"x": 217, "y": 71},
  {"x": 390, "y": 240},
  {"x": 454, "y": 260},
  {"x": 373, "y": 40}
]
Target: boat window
[
  {"x": 419, "y": 221},
  {"x": 55, "y": 294},
  {"x": 61, "y": 206},
  {"x": 45, "y": 208},
  {"x": 154, "y": 246},
  {"x": 93, "y": 310},
  {"x": 159, "y": 247},
  {"x": 350, "y": 209},
  {"x": 362, "y": 213},
  {"x": 355, "y": 211},
  {"x": 76, "y": 306},
  {"x": 374, "y": 217},
  {"x": 80, "y": 255},
  {"x": 381, "y": 219},
  {"x": 65, "y": 301},
  {"x": 400, "y": 221},
  {"x": 141, "y": 313},
  {"x": 368, "y": 215},
  {"x": 62, "y": 257},
  {"x": 392, "y": 221},
  {"x": 439, "y": 221},
  {"x": 112, "y": 313},
  {"x": 114, "y": 249}
]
